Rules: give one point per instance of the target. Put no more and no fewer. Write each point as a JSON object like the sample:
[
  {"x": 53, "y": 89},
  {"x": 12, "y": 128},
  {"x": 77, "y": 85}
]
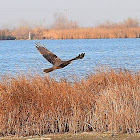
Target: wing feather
[
  {"x": 48, "y": 55},
  {"x": 80, "y": 56}
]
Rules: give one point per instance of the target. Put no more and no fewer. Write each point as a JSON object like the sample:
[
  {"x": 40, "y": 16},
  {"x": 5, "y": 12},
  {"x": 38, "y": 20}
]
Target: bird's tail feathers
[{"x": 48, "y": 70}]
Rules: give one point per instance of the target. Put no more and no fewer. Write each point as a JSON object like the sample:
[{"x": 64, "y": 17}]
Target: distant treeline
[{"x": 62, "y": 29}]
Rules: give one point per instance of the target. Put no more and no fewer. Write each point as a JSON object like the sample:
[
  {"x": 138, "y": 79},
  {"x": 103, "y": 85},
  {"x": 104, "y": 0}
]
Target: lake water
[{"x": 22, "y": 56}]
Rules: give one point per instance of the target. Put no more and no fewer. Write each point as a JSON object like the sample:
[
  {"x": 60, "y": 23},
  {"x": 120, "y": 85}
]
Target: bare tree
[
  {"x": 131, "y": 22},
  {"x": 61, "y": 22}
]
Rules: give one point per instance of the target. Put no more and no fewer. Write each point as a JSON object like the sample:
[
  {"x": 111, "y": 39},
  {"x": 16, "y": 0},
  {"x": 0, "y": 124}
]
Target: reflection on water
[{"x": 22, "y": 56}]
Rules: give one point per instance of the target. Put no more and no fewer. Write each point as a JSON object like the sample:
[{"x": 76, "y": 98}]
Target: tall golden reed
[
  {"x": 78, "y": 33},
  {"x": 108, "y": 101},
  {"x": 93, "y": 33}
]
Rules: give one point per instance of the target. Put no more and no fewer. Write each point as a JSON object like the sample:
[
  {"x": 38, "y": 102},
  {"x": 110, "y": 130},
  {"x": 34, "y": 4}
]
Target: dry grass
[
  {"x": 62, "y": 29},
  {"x": 78, "y": 33},
  {"x": 93, "y": 33},
  {"x": 108, "y": 101}
]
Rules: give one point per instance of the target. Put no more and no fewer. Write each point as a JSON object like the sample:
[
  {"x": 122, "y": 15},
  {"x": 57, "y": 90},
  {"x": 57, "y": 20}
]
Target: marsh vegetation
[
  {"x": 68, "y": 29},
  {"x": 106, "y": 101}
]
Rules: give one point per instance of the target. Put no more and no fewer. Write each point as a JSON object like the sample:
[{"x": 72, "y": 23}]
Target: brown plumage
[{"x": 53, "y": 59}]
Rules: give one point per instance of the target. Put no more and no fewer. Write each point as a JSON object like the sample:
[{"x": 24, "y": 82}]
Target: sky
[{"x": 85, "y": 12}]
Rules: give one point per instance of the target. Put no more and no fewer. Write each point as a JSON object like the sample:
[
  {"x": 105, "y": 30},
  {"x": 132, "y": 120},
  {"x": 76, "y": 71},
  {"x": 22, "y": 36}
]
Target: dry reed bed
[
  {"x": 93, "y": 33},
  {"x": 107, "y": 101},
  {"x": 78, "y": 33}
]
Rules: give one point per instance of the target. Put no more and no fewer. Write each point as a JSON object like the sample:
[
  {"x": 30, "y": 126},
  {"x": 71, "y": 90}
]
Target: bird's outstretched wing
[
  {"x": 80, "y": 56},
  {"x": 51, "y": 57}
]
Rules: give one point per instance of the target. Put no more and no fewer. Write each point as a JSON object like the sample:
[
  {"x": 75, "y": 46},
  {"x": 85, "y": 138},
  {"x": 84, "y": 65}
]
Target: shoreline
[
  {"x": 81, "y": 136},
  {"x": 78, "y": 33}
]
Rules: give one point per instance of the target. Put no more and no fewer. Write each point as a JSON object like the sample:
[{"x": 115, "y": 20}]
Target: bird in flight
[{"x": 53, "y": 59}]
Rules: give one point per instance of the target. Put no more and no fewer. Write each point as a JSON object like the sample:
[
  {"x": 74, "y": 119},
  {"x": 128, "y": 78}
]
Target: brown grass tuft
[{"x": 107, "y": 101}]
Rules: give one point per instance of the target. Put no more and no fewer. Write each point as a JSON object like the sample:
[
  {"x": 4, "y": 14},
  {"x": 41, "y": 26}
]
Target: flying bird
[{"x": 53, "y": 59}]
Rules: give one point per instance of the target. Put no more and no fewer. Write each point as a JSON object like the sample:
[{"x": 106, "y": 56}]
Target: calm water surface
[{"x": 22, "y": 56}]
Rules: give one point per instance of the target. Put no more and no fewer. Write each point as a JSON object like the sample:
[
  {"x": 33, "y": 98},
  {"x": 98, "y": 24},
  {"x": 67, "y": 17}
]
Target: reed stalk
[{"x": 107, "y": 101}]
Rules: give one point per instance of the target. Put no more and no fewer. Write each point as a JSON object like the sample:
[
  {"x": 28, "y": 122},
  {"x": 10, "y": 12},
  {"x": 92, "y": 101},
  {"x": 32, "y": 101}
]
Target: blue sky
[{"x": 85, "y": 12}]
